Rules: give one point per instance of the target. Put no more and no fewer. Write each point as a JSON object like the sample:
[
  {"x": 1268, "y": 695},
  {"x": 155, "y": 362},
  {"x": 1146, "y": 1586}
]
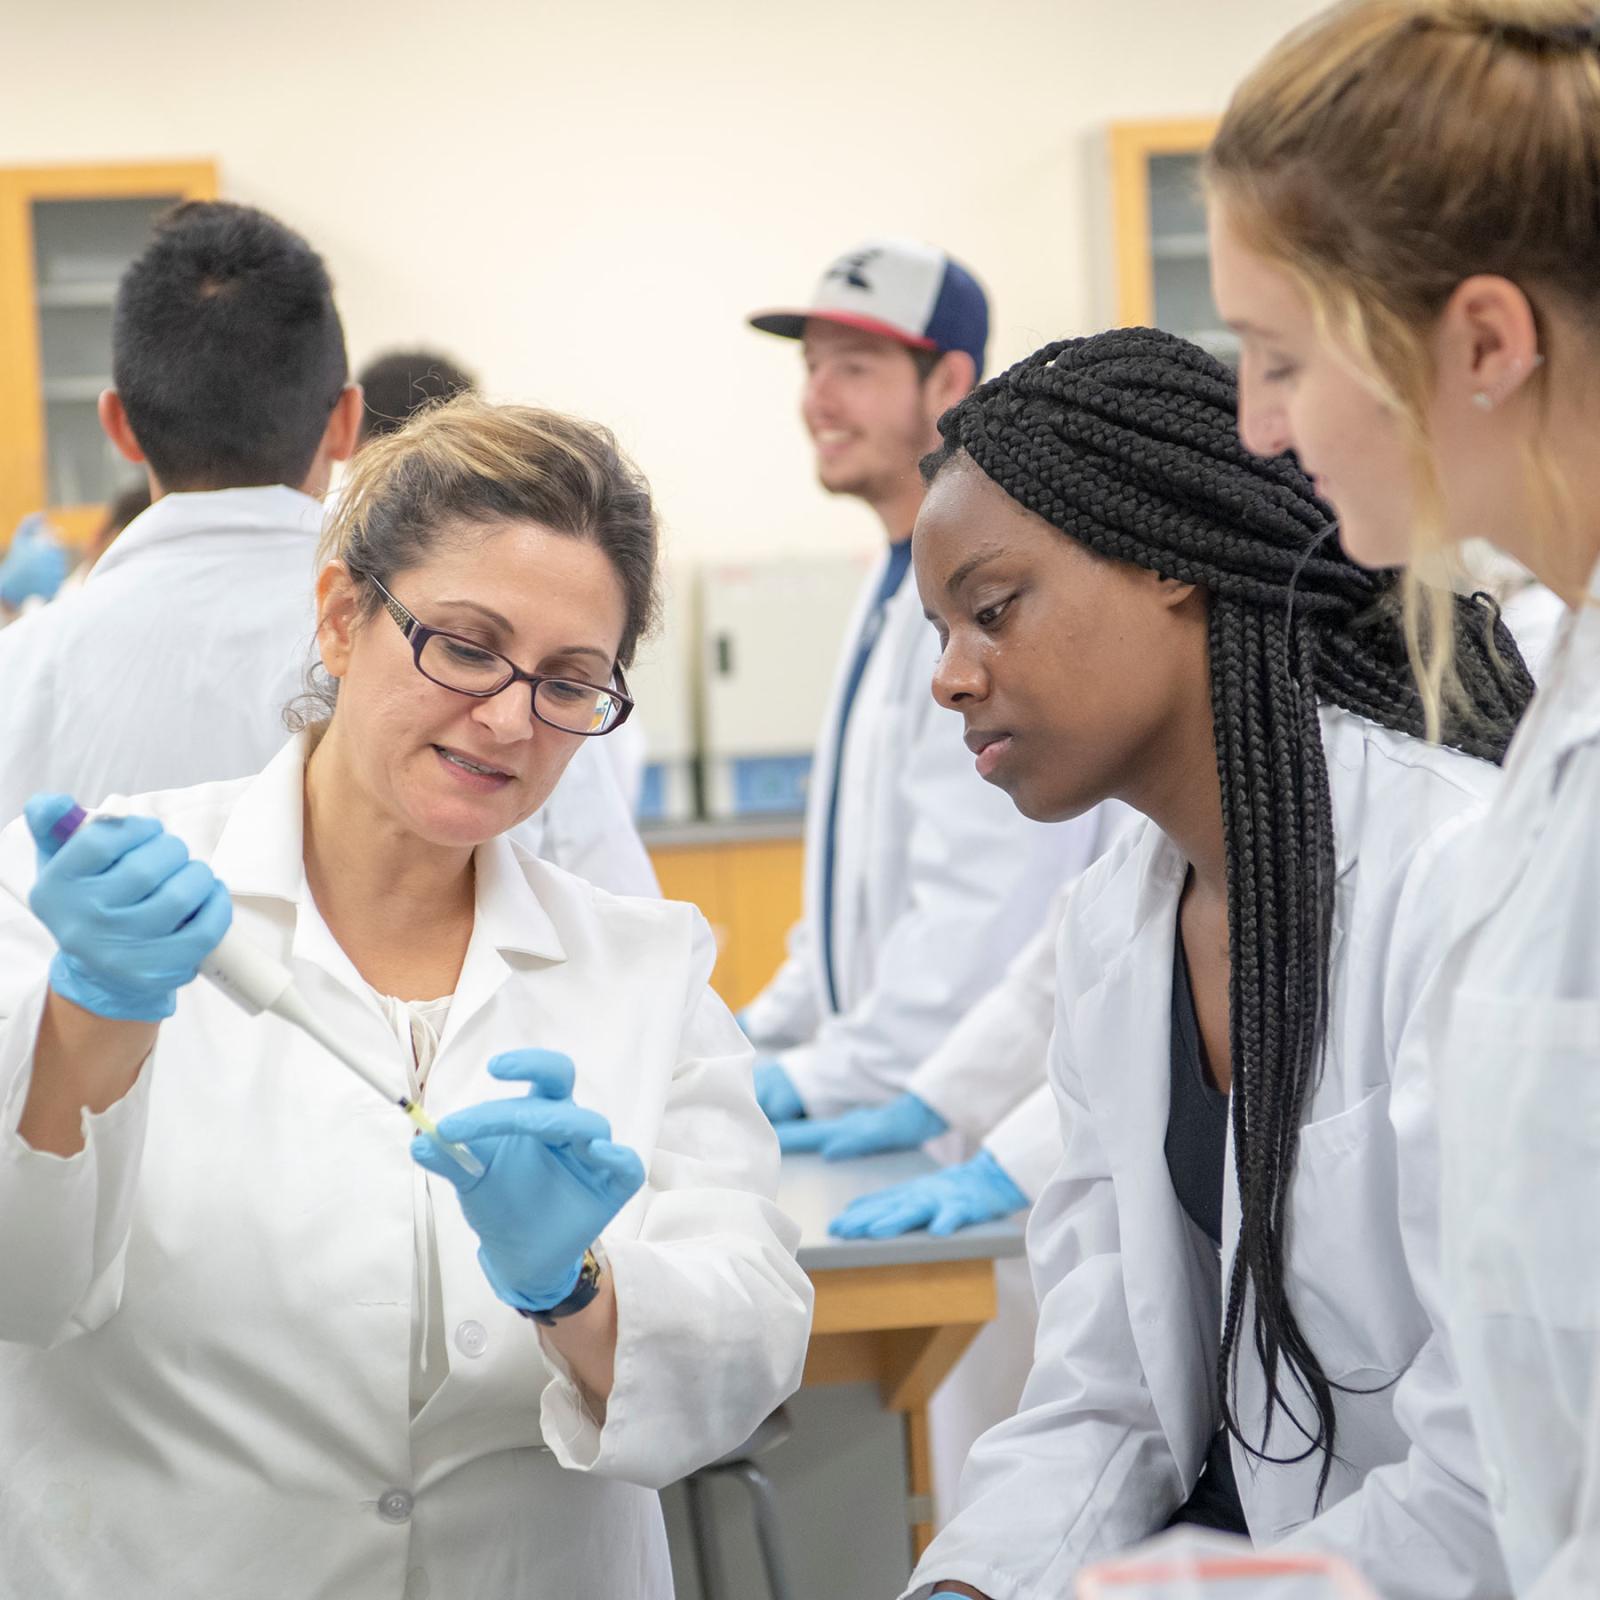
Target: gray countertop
[
  {"x": 730, "y": 830},
  {"x": 814, "y": 1191}
]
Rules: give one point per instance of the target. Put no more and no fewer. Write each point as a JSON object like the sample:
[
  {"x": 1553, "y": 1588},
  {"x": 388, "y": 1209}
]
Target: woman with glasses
[{"x": 251, "y": 1346}]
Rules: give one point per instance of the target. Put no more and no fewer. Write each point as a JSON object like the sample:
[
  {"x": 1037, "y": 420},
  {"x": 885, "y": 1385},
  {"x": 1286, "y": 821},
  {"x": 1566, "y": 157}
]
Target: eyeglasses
[{"x": 468, "y": 668}]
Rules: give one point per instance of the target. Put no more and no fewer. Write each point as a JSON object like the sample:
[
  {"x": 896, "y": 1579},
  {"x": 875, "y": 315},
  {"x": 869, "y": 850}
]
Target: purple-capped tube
[{"x": 67, "y": 823}]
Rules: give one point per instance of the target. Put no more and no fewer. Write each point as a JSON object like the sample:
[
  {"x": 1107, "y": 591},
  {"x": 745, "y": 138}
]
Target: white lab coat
[
  {"x": 987, "y": 1080},
  {"x": 993, "y": 1063},
  {"x": 1122, "y": 1401},
  {"x": 1531, "y": 612},
  {"x": 173, "y": 663},
  {"x": 938, "y": 880},
  {"x": 1534, "y": 615},
  {"x": 1513, "y": 1039},
  {"x": 206, "y": 1392}
]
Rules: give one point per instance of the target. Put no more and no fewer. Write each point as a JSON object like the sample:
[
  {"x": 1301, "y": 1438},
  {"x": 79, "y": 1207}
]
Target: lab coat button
[
  {"x": 472, "y": 1338},
  {"x": 394, "y": 1505}
]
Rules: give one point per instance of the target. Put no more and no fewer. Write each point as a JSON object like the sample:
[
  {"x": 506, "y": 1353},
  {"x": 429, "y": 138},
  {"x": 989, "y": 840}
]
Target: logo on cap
[{"x": 852, "y": 269}]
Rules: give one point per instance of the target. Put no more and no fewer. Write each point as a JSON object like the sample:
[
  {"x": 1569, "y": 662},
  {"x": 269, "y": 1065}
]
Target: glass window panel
[
  {"x": 81, "y": 249},
  {"x": 84, "y": 469}
]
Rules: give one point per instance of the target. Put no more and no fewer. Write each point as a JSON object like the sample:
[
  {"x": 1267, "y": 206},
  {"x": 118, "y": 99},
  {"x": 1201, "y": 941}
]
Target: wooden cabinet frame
[
  {"x": 23, "y": 479},
  {"x": 1132, "y": 144}
]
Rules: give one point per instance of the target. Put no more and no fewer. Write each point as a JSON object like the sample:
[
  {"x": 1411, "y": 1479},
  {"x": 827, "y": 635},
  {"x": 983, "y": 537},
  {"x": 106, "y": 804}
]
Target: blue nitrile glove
[
  {"x": 903, "y": 1124},
  {"x": 552, "y": 1179},
  {"x": 133, "y": 915},
  {"x": 975, "y": 1191},
  {"x": 776, "y": 1093},
  {"x": 34, "y": 564},
  {"x": 743, "y": 1019}
]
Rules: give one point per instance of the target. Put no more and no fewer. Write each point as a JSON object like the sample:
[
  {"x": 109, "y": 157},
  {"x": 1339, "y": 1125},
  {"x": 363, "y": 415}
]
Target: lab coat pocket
[
  {"x": 1349, "y": 1282},
  {"x": 1520, "y": 1104}
]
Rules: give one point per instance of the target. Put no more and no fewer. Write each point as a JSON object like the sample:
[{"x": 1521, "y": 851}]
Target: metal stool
[{"x": 740, "y": 1464}]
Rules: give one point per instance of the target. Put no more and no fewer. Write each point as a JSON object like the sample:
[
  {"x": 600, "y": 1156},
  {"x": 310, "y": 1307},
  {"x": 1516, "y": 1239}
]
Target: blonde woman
[
  {"x": 252, "y": 1347},
  {"x": 1405, "y": 215}
]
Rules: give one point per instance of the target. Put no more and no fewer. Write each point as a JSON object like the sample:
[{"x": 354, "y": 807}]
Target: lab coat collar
[
  {"x": 1569, "y": 702},
  {"x": 508, "y": 912},
  {"x": 1145, "y": 885},
  {"x": 261, "y": 852},
  {"x": 1148, "y": 880},
  {"x": 1565, "y": 714},
  {"x": 271, "y": 509},
  {"x": 509, "y": 926}
]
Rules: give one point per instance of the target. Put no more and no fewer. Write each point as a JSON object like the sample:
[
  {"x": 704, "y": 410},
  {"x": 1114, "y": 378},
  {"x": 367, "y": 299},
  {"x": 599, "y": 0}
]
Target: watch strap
[{"x": 586, "y": 1288}]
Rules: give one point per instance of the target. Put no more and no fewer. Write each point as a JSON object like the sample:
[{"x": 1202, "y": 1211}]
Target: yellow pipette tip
[{"x": 458, "y": 1153}]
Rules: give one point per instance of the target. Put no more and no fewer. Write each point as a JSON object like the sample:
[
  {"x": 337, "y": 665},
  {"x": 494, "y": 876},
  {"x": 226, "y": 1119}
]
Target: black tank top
[
  {"x": 1197, "y": 1156},
  {"x": 1197, "y": 1119}
]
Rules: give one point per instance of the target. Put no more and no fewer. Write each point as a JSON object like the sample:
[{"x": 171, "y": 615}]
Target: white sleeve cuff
[
  {"x": 63, "y": 1272},
  {"x": 1027, "y": 1143}
]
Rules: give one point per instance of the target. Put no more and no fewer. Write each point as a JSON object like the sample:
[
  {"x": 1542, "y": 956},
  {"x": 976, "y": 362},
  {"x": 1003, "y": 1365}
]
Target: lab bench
[{"x": 899, "y": 1312}]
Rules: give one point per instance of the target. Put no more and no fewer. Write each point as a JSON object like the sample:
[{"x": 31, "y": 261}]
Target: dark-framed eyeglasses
[{"x": 467, "y": 667}]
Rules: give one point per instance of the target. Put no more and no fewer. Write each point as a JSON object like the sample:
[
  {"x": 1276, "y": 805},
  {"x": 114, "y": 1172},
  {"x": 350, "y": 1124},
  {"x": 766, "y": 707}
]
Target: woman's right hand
[{"x": 133, "y": 916}]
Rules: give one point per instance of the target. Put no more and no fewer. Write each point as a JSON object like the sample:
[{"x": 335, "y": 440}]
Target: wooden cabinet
[
  {"x": 1163, "y": 268},
  {"x": 749, "y": 890},
  {"x": 66, "y": 234}
]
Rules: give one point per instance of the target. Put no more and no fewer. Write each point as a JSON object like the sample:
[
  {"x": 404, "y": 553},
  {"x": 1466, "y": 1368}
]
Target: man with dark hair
[
  {"x": 228, "y": 355},
  {"x": 173, "y": 664},
  {"x": 400, "y": 383}
]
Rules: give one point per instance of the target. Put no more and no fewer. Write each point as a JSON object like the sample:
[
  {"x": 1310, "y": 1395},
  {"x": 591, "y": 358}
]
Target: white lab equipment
[
  {"x": 1122, "y": 1399},
  {"x": 769, "y": 634},
  {"x": 662, "y": 680},
  {"x": 222, "y": 1302}
]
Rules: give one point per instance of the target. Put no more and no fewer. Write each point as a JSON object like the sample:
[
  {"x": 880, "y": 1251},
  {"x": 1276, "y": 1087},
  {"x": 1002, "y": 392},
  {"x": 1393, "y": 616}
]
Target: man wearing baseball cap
[{"x": 921, "y": 881}]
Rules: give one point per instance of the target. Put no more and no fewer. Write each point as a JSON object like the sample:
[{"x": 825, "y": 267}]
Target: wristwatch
[{"x": 586, "y": 1288}]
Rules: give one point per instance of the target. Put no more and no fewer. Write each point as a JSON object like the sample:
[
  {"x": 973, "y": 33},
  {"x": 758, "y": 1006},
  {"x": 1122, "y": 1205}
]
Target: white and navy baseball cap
[{"x": 906, "y": 291}]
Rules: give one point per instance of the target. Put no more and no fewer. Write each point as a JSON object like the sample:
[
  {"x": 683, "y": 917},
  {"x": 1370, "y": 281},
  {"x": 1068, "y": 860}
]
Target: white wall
[{"x": 582, "y": 199}]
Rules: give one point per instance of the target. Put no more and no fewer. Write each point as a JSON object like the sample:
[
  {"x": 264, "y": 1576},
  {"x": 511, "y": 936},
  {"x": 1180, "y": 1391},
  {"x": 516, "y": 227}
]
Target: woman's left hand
[{"x": 552, "y": 1180}]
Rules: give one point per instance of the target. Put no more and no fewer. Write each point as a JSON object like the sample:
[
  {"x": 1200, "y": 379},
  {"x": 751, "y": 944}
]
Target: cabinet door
[
  {"x": 66, "y": 236},
  {"x": 749, "y": 891},
  {"x": 1163, "y": 264},
  {"x": 764, "y": 890},
  {"x": 698, "y": 874}
]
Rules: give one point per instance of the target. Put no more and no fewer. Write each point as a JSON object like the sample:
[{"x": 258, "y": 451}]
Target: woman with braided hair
[
  {"x": 1234, "y": 1258},
  {"x": 1405, "y": 215}
]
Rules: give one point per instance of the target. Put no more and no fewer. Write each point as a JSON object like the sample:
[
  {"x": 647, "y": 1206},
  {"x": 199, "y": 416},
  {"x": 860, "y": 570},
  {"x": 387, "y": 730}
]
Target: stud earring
[{"x": 1488, "y": 399}]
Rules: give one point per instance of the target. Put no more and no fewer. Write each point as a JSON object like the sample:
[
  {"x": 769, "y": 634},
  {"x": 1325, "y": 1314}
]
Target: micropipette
[{"x": 256, "y": 982}]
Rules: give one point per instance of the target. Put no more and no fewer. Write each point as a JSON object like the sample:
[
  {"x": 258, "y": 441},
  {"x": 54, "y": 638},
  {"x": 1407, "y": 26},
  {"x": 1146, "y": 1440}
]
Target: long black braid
[{"x": 1127, "y": 441}]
